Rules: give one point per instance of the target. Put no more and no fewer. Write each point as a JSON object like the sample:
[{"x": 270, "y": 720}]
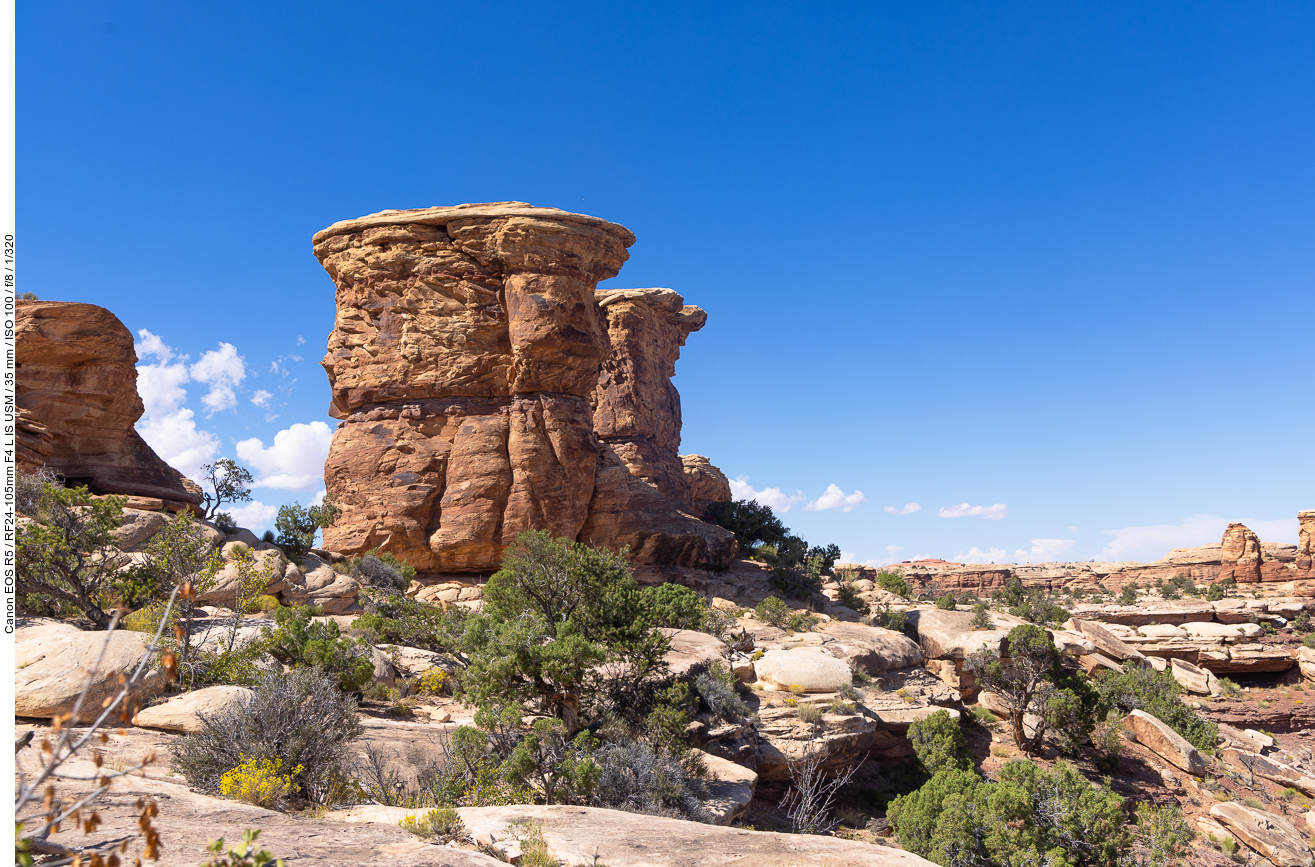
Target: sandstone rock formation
[
  {"x": 77, "y": 400},
  {"x": 1164, "y": 742},
  {"x": 54, "y": 661},
  {"x": 1240, "y": 556},
  {"x": 1305, "y": 561},
  {"x": 465, "y": 363},
  {"x": 707, "y": 484}
]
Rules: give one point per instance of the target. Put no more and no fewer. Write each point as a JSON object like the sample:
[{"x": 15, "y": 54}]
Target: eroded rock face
[
  {"x": 707, "y": 484},
  {"x": 465, "y": 363},
  {"x": 1240, "y": 557},
  {"x": 1305, "y": 561},
  {"x": 636, "y": 408},
  {"x": 78, "y": 402}
]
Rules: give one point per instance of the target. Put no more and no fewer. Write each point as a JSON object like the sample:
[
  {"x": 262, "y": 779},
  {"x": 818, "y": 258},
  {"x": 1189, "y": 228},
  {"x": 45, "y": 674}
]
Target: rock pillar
[
  {"x": 1240, "y": 558},
  {"x": 463, "y": 363},
  {"x": 1306, "y": 541}
]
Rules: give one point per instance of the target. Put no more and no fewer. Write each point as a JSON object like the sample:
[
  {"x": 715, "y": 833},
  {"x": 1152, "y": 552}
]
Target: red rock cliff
[{"x": 78, "y": 402}]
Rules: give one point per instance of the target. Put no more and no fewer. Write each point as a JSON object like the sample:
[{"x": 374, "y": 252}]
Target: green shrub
[
  {"x": 381, "y": 572},
  {"x": 673, "y": 606},
  {"x": 1128, "y": 595},
  {"x": 551, "y": 615},
  {"x": 66, "y": 557},
  {"x": 1029, "y": 816},
  {"x": 244, "y": 854},
  {"x": 892, "y": 581},
  {"x": 297, "y": 525},
  {"x": 298, "y": 719},
  {"x": 890, "y": 618},
  {"x": 1158, "y": 694},
  {"x": 442, "y": 824},
  {"x": 848, "y": 597},
  {"x": 772, "y": 611},
  {"x": 394, "y": 619},
  {"x": 981, "y": 618},
  {"x": 752, "y": 523},
  {"x": 301, "y": 642},
  {"x": 801, "y": 621},
  {"x": 810, "y": 713},
  {"x": 1035, "y": 682},
  {"x": 946, "y": 602},
  {"x": 938, "y": 742}
]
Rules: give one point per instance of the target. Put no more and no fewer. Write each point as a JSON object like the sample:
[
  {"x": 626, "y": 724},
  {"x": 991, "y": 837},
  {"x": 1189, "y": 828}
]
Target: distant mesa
[
  {"x": 77, "y": 404},
  {"x": 1240, "y": 555},
  {"x": 485, "y": 387}
]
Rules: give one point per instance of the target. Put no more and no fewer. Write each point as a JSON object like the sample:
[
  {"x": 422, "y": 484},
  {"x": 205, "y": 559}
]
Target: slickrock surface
[
  {"x": 587, "y": 835},
  {"x": 78, "y": 402},
  {"x": 465, "y": 363}
]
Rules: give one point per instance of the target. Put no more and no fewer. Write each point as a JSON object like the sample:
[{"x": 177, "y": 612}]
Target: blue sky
[{"x": 1044, "y": 270}]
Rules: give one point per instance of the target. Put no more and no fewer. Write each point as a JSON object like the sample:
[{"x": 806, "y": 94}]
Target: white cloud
[
  {"x": 152, "y": 344},
  {"x": 1151, "y": 542},
  {"x": 295, "y": 462},
  {"x": 908, "y": 509},
  {"x": 779, "y": 502},
  {"x": 168, "y": 427},
  {"x": 318, "y": 499},
  {"x": 254, "y": 516},
  {"x": 176, "y": 439},
  {"x": 892, "y": 552},
  {"x": 986, "y": 513},
  {"x": 1046, "y": 551},
  {"x": 834, "y": 498},
  {"x": 300, "y": 340},
  {"x": 977, "y": 555},
  {"x": 222, "y": 369},
  {"x": 261, "y": 398},
  {"x": 295, "y": 357}
]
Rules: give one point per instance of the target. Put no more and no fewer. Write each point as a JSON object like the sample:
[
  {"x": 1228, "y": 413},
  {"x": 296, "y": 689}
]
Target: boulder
[
  {"x": 1272, "y": 836},
  {"x": 871, "y": 648},
  {"x": 1249, "y": 764},
  {"x": 1227, "y": 631},
  {"x": 1210, "y": 829},
  {"x": 53, "y": 663},
  {"x": 949, "y": 634},
  {"x": 730, "y": 788},
  {"x": 692, "y": 652},
  {"x": 1164, "y": 742},
  {"x": 1106, "y": 642},
  {"x": 1195, "y": 680},
  {"x": 1162, "y": 631},
  {"x": 77, "y": 400},
  {"x": 1306, "y": 661},
  {"x": 138, "y": 526},
  {"x": 814, "y": 670},
  {"x": 183, "y": 713},
  {"x": 268, "y": 565}
]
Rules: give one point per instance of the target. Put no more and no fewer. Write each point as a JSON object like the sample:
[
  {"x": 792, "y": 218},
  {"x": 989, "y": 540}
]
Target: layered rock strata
[
  {"x": 1240, "y": 555},
  {"x": 77, "y": 404},
  {"x": 465, "y": 364}
]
